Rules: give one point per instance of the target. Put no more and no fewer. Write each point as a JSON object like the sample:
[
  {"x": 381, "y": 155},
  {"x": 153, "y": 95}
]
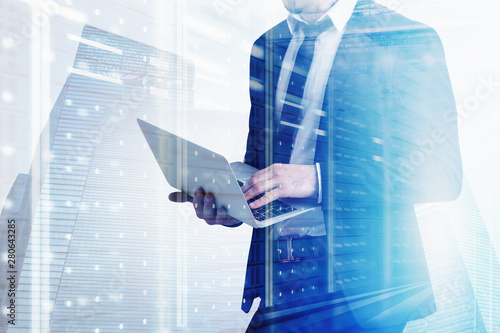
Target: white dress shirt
[{"x": 304, "y": 146}]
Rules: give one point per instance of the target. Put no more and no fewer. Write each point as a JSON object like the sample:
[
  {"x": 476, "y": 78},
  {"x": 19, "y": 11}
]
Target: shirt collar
[{"x": 340, "y": 13}]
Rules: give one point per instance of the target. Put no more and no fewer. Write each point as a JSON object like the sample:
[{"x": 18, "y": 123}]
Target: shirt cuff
[{"x": 318, "y": 175}]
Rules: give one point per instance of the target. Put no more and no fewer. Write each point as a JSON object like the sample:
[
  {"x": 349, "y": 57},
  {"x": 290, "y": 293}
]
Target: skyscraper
[{"x": 95, "y": 247}]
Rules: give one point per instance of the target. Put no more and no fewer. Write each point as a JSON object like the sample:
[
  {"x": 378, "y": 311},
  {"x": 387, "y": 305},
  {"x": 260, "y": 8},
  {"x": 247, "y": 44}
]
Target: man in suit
[{"x": 352, "y": 107}]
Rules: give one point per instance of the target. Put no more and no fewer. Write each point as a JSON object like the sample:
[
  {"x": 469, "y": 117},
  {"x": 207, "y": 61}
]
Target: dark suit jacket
[{"x": 390, "y": 142}]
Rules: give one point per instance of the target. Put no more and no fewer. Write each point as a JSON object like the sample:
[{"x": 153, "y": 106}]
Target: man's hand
[
  {"x": 281, "y": 181},
  {"x": 204, "y": 206}
]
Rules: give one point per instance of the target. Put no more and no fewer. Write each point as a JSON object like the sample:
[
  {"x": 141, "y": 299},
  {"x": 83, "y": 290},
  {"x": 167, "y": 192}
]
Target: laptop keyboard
[{"x": 272, "y": 209}]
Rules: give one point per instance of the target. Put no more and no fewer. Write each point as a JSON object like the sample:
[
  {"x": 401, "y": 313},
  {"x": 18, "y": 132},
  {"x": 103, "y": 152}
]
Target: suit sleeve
[
  {"x": 257, "y": 134},
  {"x": 423, "y": 146}
]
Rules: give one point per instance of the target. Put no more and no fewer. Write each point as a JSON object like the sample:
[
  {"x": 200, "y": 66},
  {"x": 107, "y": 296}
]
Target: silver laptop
[{"x": 187, "y": 167}]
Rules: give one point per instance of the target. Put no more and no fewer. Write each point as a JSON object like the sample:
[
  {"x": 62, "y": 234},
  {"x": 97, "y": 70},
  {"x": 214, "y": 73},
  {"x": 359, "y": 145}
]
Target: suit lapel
[
  {"x": 351, "y": 48},
  {"x": 354, "y": 40}
]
